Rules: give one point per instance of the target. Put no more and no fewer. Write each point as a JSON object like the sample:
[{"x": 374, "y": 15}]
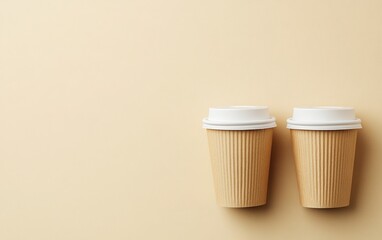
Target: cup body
[
  {"x": 324, "y": 162},
  {"x": 240, "y": 166}
]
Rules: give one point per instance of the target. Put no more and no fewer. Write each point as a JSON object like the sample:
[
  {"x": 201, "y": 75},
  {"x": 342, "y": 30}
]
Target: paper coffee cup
[
  {"x": 240, "y": 140},
  {"x": 324, "y": 143}
]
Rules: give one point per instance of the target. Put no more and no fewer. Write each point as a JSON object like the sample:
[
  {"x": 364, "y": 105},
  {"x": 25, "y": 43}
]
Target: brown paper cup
[
  {"x": 240, "y": 165},
  {"x": 324, "y": 162}
]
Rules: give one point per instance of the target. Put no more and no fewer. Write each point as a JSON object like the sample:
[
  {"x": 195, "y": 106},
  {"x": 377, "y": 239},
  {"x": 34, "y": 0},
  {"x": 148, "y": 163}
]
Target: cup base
[
  {"x": 313, "y": 206},
  {"x": 242, "y": 206}
]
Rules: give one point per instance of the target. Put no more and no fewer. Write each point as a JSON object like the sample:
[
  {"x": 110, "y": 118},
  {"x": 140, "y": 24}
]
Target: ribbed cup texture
[
  {"x": 240, "y": 166},
  {"x": 324, "y": 163}
]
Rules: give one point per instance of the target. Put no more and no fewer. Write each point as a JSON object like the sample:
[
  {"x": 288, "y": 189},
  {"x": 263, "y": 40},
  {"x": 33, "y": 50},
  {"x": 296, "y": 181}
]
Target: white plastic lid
[
  {"x": 324, "y": 118},
  {"x": 239, "y": 118}
]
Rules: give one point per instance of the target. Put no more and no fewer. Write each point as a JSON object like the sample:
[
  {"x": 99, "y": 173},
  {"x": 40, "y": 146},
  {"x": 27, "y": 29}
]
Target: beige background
[{"x": 101, "y": 105}]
